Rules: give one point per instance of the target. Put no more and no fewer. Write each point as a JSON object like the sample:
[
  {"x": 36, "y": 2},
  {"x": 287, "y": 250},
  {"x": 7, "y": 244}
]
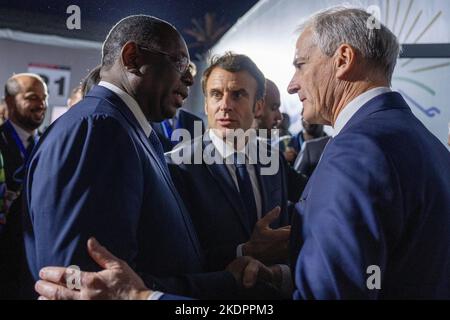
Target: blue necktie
[
  {"x": 246, "y": 191},
  {"x": 154, "y": 140}
]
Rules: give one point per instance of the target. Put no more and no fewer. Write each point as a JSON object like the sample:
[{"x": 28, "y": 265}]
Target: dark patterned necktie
[
  {"x": 246, "y": 191},
  {"x": 157, "y": 146}
]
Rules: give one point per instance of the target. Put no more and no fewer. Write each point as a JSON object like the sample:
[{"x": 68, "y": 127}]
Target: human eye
[{"x": 215, "y": 94}]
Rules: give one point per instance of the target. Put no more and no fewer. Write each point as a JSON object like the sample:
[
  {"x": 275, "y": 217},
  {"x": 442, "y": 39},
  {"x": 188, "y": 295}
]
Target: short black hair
[
  {"x": 233, "y": 62},
  {"x": 142, "y": 29}
]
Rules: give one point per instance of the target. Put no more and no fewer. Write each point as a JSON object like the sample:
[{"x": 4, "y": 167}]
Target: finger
[
  {"x": 101, "y": 255},
  {"x": 42, "y": 298},
  {"x": 53, "y": 291},
  {"x": 250, "y": 274},
  {"x": 264, "y": 273},
  {"x": 270, "y": 217},
  {"x": 53, "y": 274},
  {"x": 277, "y": 234}
]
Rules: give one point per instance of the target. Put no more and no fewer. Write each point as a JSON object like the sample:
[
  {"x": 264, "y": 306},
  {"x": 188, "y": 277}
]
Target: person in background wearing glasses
[{"x": 100, "y": 171}]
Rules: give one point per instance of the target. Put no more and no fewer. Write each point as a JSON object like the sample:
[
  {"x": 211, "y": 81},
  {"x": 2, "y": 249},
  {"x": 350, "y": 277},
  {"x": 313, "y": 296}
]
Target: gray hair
[{"x": 338, "y": 25}]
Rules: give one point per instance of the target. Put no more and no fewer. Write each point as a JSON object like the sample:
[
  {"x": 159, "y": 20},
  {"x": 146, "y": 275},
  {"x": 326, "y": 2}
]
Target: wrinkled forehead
[
  {"x": 27, "y": 84},
  {"x": 305, "y": 44},
  {"x": 174, "y": 43},
  {"x": 231, "y": 80}
]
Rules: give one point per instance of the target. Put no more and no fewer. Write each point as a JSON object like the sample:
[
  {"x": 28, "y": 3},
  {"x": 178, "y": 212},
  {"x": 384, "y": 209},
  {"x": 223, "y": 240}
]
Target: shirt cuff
[
  {"x": 239, "y": 250},
  {"x": 287, "y": 286},
  {"x": 155, "y": 295}
]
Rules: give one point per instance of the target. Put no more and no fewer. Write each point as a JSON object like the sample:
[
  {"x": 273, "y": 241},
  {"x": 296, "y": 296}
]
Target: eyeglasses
[{"x": 181, "y": 64}]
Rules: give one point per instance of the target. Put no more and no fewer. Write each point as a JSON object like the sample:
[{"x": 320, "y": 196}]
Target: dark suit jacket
[
  {"x": 379, "y": 196},
  {"x": 186, "y": 121},
  {"x": 11, "y": 246},
  {"x": 215, "y": 205},
  {"x": 94, "y": 173},
  {"x": 309, "y": 157},
  {"x": 11, "y": 156}
]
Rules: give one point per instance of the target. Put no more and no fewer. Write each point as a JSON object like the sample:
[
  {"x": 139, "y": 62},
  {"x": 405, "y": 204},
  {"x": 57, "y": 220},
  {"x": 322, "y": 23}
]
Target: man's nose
[
  {"x": 187, "y": 78},
  {"x": 226, "y": 103},
  {"x": 293, "y": 86}
]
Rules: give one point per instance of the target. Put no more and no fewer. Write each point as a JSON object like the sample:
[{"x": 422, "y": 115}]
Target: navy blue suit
[
  {"x": 216, "y": 207},
  {"x": 379, "y": 196},
  {"x": 94, "y": 173}
]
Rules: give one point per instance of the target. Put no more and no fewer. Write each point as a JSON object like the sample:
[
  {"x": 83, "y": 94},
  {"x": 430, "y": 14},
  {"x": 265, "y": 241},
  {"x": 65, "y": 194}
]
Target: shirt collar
[
  {"x": 131, "y": 104},
  {"x": 353, "y": 106},
  {"x": 23, "y": 134},
  {"x": 225, "y": 149}
]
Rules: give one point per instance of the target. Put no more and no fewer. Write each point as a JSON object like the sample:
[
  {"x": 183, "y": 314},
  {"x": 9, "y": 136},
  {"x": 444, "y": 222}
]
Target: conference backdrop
[{"x": 267, "y": 33}]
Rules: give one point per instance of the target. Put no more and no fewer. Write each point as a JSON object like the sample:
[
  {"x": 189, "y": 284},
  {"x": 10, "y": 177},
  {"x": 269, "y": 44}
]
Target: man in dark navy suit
[
  {"x": 230, "y": 202},
  {"x": 374, "y": 216},
  {"x": 100, "y": 171}
]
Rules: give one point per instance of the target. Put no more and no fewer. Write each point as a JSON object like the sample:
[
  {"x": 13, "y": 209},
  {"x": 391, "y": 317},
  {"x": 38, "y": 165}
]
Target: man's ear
[
  {"x": 345, "y": 61},
  {"x": 10, "y": 101},
  {"x": 259, "y": 108},
  {"x": 131, "y": 57},
  {"x": 206, "y": 108}
]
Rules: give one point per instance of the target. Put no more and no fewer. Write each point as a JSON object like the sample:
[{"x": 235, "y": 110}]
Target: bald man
[
  {"x": 270, "y": 115},
  {"x": 26, "y": 103}
]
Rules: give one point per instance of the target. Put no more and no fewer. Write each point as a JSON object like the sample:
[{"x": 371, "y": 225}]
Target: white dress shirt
[
  {"x": 353, "y": 106},
  {"x": 23, "y": 134},
  {"x": 132, "y": 104},
  {"x": 226, "y": 151}
]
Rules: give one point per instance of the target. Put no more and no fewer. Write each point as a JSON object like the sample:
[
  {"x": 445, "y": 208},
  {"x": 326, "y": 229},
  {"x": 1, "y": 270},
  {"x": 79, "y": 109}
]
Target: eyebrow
[
  {"x": 300, "y": 58},
  {"x": 32, "y": 93}
]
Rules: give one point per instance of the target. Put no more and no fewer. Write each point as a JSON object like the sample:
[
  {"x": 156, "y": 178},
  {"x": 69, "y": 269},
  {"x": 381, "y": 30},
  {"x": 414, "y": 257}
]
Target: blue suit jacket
[
  {"x": 94, "y": 173},
  {"x": 379, "y": 196},
  {"x": 216, "y": 207}
]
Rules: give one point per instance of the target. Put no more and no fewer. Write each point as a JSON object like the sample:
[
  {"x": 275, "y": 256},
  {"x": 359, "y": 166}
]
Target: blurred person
[
  {"x": 92, "y": 79},
  {"x": 75, "y": 96},
  {"x": 270, "y": 116},
  {"x": 3, "y": 111},
  {"x": 26, "y": 101},
  {"x": 297, "y": 143}
]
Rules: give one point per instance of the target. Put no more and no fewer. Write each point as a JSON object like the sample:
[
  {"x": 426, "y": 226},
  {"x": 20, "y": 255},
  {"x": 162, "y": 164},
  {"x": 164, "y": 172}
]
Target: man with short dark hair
[
  {"x": 232, "y": 202},
  {"x": 100, "y": 171}
]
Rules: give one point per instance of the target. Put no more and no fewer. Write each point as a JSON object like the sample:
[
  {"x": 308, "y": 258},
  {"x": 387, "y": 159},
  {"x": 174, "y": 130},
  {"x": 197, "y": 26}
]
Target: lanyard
[
  {"x": 17, "y": 140},
  {"x": 168, "y": 129}
]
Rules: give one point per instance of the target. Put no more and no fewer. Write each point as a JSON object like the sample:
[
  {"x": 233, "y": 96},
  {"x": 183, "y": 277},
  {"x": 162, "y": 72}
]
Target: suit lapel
[
  {"x": 220, "y": 173},
  {"x": 116, "y": 102},
  {"x": 263, "y": 181}
]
